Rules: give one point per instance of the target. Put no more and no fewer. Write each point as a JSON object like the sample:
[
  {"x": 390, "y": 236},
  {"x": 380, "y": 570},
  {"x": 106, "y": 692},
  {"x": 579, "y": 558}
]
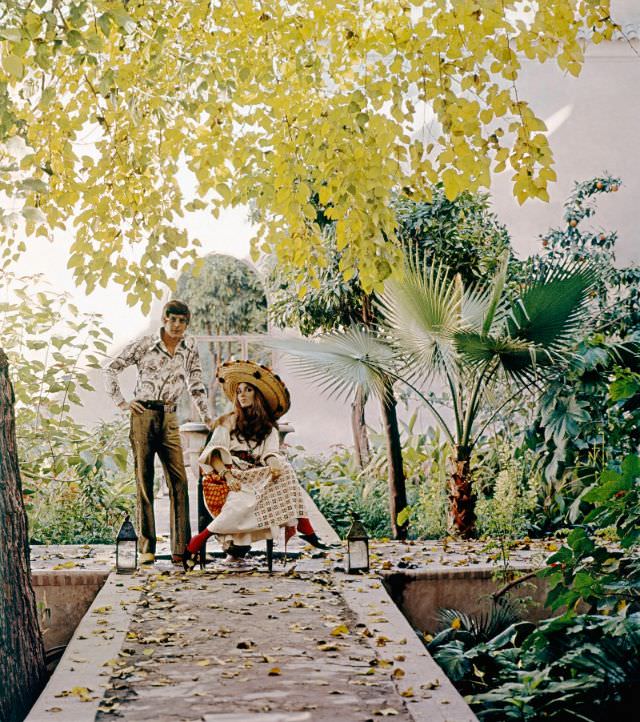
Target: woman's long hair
[{"x": 255, "y": 422}]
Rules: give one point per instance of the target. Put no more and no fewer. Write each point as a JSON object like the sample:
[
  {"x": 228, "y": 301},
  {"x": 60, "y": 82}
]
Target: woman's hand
[
  {"x": 233, "y": 483},
  {"x": 276, "y": 467}
]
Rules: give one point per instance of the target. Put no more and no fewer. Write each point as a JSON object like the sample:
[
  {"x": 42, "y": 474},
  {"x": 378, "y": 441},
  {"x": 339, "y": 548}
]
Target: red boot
[
  {"x": 194, "y": 551},
  {"x": 308, "y": 534}
]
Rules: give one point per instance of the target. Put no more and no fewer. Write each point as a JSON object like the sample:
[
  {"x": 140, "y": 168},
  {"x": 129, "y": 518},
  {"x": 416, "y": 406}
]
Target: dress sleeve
[
  {"x": 220, "y": 442},
  {"x": 271, "y": 446}
]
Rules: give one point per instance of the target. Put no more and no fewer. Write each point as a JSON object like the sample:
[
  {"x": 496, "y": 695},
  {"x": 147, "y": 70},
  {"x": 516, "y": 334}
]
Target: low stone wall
[
  {"x": 63, "y": 597},
  {"x": 421, "y": 593}
]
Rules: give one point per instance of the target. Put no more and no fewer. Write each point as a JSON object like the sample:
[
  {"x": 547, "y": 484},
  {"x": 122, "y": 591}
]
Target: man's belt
[{"x": 154, "y": 405}]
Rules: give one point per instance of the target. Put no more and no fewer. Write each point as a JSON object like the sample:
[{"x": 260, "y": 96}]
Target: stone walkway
[
  {"x": 214, "y": 645},
  {"x": 305, "y": 644}
]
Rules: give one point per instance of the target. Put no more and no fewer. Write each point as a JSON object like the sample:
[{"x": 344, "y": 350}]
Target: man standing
[{"x": 166, "y": 362}]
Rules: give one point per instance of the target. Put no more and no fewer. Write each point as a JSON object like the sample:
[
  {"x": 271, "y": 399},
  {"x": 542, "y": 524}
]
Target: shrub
[
  {"x": 86, "y": 503},
  {"x": 505, "y": 507}
]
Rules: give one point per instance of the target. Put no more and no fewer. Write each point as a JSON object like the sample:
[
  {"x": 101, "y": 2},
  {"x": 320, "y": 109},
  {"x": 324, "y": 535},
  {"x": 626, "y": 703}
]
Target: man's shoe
[{"x": 147, "y": 558}]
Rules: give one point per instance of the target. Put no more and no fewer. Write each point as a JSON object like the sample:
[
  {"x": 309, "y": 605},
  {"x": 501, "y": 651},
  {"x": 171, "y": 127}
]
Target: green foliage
[
  {"x": 76, "y": 480},
  {"x": 586, "y": 423},
  {"x": 475, "y": 628},
  {"x": 580, "y": 668},
  {"x": 225, "y": 297},
  {"x": 574, "y": 666},
  {"x": 474, "y": 340},
  {"x": 313, "y": 299},
  {"x": 462, "y": 234},
  {"x": 585, "y": 570},
  {"x": 428, "y": 458},
  {"x": 616, "y": 295},
  {"x": 506, "y": 501},
  {"x": 339, "y": 487},
  {"x": 435, "y": 326},
  {"x": 88, "y": 503}
]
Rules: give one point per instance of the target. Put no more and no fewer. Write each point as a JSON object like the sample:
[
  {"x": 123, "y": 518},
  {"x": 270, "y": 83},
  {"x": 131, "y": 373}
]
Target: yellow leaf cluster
[{"x": 291, "y": 108}]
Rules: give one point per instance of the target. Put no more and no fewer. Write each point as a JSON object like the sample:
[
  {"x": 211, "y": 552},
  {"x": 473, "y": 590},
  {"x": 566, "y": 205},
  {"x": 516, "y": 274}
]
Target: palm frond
[
  {"x": 477, "y": 349},
  {"x": 422, "y": 311},
  {"x": 340, "y": 362},
  {"x": 484, "y": 306},
  {"x": 551, "y": 311},
  {"x": 484, "y": 626},
  {"x": 520, "y": 361},
  {"x": 495, "y": 304}
]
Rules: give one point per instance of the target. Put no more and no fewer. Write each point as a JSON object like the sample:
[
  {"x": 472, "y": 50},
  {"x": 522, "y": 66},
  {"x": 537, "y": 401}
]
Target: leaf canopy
[{"x": 104, "y": 104}]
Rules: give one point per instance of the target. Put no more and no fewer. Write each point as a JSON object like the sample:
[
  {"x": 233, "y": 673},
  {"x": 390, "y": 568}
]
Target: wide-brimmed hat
[{"x": 276, "y": 394}]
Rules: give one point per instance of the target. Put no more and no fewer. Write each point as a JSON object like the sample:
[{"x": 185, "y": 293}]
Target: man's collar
[{"x": 159, "y": 342}]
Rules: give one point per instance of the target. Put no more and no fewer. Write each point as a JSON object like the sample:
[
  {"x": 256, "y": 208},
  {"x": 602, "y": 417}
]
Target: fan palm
[{"x": 475, "y": 340}]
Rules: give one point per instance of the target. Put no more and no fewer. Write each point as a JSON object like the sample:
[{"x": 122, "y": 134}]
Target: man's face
[{"x": 174, "y": 325}]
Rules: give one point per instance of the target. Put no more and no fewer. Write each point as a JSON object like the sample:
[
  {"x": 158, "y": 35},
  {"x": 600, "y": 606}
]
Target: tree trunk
[
  {"x": 22, "y": 669},
  {"x": 463, "y": 502},
  {"x": 359, "y": 430},
  {"x": 396, "y": 478}
]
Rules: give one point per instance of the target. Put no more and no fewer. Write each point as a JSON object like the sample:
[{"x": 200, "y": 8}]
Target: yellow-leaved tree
[
  {"x": 287, "y": 106},
  {"x": 269, "y": 102}
]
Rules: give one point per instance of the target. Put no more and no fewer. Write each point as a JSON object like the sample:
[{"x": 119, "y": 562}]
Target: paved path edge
[
  {"x": 367, "y": 595},
  {"x": 83, "y": 664}
]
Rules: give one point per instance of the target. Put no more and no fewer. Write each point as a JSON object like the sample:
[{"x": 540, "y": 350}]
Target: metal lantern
[
  {"x": 126, "y": 548},
  {"x": 357, "y": 548}
]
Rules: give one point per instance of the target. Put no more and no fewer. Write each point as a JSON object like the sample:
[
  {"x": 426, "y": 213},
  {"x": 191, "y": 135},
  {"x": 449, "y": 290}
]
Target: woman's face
[{"x": 245, "y": 393}]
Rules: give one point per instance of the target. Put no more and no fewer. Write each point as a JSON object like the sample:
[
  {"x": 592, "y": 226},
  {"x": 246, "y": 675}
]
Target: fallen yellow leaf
[
  {"x": 326, "y": 647},
  {"x": 64, "y": 565},
  {"x": 433, "y": 684},
  {"x": 339, "y": 631},
  {"x": 82, "y": 693},
  {"x": 274, "y": 672}
]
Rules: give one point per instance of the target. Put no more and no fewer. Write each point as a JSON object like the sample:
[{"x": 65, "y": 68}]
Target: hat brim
[{"x": 276, "y": 394}]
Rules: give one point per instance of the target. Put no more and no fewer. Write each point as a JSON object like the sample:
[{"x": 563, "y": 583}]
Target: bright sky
[{"x": 230, "y": 234}]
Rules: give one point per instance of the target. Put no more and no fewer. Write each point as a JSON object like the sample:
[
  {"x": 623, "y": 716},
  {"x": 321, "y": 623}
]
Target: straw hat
[{"x": 276, "y": 394}]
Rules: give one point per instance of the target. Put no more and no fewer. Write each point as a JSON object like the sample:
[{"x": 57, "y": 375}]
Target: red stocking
[
  {"x": 198, "y": 540},
  {"x": 304, "y": 525}
]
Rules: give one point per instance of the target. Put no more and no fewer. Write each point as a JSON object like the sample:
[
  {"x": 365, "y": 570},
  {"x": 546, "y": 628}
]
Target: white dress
[{"x": 262, "y": 505}]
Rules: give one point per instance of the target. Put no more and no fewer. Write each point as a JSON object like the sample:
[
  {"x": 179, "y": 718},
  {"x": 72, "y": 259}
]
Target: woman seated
[{"x": 244, "y": 450}]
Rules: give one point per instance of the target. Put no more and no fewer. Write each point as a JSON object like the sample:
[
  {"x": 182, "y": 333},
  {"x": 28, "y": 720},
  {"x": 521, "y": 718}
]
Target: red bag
[{"x": 214, "y": 490}]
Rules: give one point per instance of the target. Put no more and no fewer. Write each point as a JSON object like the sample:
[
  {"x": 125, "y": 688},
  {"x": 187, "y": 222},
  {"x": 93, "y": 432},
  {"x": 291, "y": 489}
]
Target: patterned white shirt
[{"x": 161, "y": 376}]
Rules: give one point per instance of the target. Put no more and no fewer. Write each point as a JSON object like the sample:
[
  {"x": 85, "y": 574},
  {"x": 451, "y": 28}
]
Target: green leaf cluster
[{"x": 52, "y": 349}]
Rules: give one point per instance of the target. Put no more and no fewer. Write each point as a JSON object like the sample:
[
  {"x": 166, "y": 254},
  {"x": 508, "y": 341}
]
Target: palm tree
[{"x": 474, "y": 340}]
